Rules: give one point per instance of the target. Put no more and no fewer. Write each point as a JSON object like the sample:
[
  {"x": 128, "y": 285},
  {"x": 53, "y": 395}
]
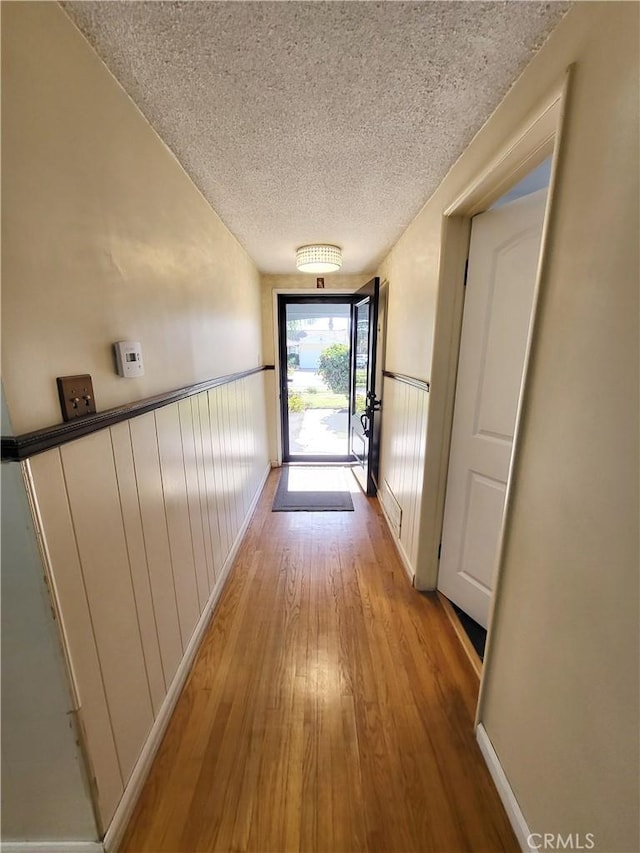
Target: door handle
[
  {"x": 374, "y": 404},
  {"x": 364, "y": 420}
]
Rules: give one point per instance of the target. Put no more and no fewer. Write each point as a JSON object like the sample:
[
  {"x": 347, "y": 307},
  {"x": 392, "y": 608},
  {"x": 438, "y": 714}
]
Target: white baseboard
[
  {"x": 505, "y": 792},
  {"x": 404, "y": 559},
  {"x": 123, "y": 812},
  {"x": 51, "y": 847}
]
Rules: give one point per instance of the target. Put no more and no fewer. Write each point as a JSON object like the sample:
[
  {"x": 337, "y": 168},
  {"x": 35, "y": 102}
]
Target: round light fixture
[{"x": 318, "y": 258}]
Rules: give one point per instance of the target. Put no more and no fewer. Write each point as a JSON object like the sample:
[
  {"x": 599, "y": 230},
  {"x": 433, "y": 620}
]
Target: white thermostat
[{"x": 129, "y": 359}]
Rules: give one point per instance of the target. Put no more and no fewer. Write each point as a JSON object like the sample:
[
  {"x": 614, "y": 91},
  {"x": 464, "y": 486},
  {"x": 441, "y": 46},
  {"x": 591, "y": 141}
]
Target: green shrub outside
[{"x": 333, "y": 366}]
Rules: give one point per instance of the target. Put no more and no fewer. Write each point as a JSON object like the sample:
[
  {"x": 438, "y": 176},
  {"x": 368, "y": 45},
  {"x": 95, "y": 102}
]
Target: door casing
[{"x": 537, "y": 138}]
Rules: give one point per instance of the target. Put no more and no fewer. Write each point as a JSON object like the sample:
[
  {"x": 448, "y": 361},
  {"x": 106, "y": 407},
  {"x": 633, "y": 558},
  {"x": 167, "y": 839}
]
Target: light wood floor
[{"x": 330, "y": 708}]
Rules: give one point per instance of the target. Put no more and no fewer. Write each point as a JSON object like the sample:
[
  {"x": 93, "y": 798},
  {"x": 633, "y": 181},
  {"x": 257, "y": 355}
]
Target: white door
[{"x": 503, "y": 264}]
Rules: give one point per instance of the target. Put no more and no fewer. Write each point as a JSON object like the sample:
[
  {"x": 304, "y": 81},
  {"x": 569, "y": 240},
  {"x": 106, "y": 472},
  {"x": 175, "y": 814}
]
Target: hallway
[{"x": 330, "y": 707}]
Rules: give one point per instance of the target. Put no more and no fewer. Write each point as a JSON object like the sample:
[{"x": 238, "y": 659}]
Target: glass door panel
[
  {"x": 361, "y": 365},
  {"x": 315, "y": 367}
]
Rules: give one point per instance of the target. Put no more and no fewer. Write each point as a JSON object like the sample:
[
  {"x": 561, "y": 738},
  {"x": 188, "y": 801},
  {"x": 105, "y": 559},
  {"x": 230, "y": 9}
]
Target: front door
[
  {"x": 503, "y": 265},
  {"x": 315, "y": 377},
  {"x": 365, "y": 422}
]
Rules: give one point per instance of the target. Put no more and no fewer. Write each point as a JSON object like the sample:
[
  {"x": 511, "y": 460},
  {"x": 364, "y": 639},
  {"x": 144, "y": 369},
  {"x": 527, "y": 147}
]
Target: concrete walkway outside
[{"x": 319, "y": 431}]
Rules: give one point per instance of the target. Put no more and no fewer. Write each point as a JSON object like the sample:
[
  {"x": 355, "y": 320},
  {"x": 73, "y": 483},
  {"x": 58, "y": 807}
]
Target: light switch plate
[{"x": 76, "y": 396}]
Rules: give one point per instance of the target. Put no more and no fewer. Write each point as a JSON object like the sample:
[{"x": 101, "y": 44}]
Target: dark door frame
[
  {"x": 284, "y": 300},
  {"x": 368, "y": 296}
]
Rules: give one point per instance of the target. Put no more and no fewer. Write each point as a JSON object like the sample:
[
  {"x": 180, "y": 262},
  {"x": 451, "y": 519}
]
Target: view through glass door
[{"x": 315, "y": 374}]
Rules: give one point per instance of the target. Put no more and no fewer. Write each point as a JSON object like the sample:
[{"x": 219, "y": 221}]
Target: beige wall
[
  {"x": 105, "y": 237},
  {"x": 561, "y": 694}
]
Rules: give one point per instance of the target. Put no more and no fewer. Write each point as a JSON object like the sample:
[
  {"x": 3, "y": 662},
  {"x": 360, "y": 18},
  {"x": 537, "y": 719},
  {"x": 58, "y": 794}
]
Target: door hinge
[
  {"x": 439, "y": 550},
  {"x": 466, "y": 271}
]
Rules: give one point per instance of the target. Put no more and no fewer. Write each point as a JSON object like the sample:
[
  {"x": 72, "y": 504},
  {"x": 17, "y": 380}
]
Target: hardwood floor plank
[{"x": 330, "y": 708}]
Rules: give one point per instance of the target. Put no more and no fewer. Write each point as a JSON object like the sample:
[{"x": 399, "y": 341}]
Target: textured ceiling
[{"x": 316, "y": 121}]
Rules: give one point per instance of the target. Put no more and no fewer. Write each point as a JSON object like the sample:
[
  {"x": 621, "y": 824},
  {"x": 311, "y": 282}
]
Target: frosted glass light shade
[{"x": 318, "y": 258}]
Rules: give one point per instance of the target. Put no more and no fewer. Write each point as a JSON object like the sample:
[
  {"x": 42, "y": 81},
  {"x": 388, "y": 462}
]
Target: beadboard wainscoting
[
  {"x": 404, "y": 424},
  {"x": 139, "y": 523}
]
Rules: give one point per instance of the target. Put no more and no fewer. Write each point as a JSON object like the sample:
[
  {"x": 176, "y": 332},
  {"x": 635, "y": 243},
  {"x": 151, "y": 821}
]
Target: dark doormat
[{"x": 312, "y": 490}]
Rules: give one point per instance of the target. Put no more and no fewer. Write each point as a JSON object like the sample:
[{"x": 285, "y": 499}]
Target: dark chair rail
[
  {"x": 18, "y": 447},
  {"x": 408, "y": 380}
]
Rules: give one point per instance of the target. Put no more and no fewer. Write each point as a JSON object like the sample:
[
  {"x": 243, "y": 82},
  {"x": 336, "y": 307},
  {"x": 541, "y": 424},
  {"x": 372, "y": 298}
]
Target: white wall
[
  {"x": 560, "y": 701},
  {"x": 45, "y": 795},
  {"x": 403, "y": 445},
  {"x": 139, "y": 551}
]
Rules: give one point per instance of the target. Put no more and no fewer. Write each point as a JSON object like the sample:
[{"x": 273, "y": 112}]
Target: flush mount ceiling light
[{"x": 318, "y": 258}]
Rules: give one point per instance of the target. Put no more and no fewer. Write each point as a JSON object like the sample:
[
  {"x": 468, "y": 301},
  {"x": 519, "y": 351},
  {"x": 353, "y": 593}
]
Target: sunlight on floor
[{"x": 320, "y": 479}]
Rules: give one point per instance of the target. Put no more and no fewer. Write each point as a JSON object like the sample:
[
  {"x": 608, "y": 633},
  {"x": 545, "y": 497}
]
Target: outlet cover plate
[{"x": 76, "y": 396}]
